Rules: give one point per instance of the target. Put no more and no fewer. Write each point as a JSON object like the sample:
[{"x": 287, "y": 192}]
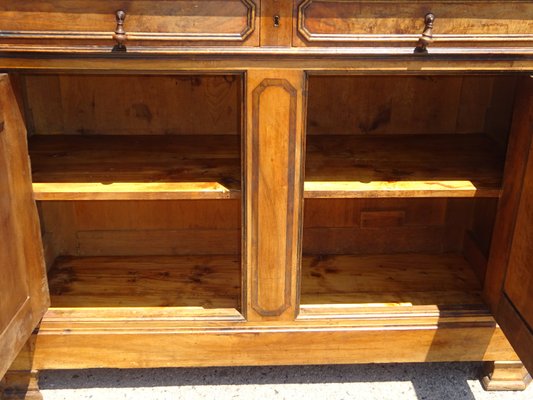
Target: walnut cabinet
[{"x": 246, "y": 182}]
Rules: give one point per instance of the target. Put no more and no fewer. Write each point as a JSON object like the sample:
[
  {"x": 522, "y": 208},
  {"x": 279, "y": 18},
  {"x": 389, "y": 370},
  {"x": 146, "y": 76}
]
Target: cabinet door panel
[
  {"x": 519, "y": 279},
  {"x": 515, "y": 310},
  {"x": 397, "y": 23},
  {"x": 23, "y": 287},
  {"x": 152, "y": 23}
]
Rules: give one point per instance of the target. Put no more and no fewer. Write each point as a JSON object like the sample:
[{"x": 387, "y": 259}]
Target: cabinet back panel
[
  {"x": 416, "y": 251},
  {"x": 133, "y": 105},
  {"x": 345, "y": 213},
  {"x": 344, "y": 105},
  {"x": 385, "y": 226},
  {"x": 86, "y": 228}
]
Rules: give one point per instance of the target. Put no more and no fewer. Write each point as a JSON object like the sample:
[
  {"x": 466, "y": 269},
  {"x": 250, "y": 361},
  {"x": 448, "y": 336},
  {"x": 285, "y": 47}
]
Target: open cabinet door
[
  {"x": 515, "y": 309},
  {"x": 23, "y": 287}
]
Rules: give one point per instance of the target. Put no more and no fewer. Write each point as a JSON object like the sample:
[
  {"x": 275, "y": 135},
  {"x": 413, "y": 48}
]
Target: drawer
[
  {"x": 67, "y": 23},
  {"x": 467, "y": 23}
]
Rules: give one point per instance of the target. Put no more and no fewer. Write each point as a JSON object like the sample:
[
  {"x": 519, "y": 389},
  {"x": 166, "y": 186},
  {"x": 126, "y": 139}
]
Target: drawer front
[
  {"x": 467, "y": 23},
  {"x": 147, "y": 22}
]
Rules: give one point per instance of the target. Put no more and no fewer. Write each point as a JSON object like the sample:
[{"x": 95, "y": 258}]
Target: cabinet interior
[
  {"x": 403, "y": 177},
  {"x": 138, "y": 183}
]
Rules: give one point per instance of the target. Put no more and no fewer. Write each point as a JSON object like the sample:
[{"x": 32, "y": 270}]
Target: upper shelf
[
  {"x": 403, "y": 166},
  {"x": 102, "y": 167}
]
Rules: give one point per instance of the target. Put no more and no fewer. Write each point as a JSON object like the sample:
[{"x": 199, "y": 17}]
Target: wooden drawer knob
[
  {"x": 427, "y": 35},
  {"x": 120, "y": 34}
]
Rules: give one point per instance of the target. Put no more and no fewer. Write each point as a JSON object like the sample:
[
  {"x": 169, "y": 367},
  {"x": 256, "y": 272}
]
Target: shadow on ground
[{"x": 426, "y": 381}]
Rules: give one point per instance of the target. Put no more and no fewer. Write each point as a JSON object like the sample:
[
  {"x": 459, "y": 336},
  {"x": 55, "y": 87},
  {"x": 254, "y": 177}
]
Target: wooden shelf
[
  {"x": 403, "y": 166},
  {"x": 103, "y": 167},
  {"x": 214, "y": 281},
  {"x": 397, "y": 279},
  {"x": 152, "y": 281}
]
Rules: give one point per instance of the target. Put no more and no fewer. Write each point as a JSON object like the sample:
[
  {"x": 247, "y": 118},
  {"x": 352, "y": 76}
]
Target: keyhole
[{"x": 276, "y": 20}]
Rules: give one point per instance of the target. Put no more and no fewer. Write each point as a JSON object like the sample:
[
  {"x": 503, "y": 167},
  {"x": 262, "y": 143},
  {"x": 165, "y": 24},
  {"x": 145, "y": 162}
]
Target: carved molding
[
  {"x": 241, "y": 36},
  {"x": 250, "y": 18},
  {"x": 256, "y": 106}
]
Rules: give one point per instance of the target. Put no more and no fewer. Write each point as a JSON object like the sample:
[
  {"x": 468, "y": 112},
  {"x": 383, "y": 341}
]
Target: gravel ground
[{"x": 431, "y": 381}]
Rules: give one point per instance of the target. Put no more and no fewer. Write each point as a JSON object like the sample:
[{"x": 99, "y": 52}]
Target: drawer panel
[
  {"x": 464, "y": 23},
  {"x": 147, "y": 22}
]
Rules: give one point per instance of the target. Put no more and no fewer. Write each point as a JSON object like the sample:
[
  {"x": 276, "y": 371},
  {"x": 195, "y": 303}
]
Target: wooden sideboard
[{"x": 264, "y": 182}]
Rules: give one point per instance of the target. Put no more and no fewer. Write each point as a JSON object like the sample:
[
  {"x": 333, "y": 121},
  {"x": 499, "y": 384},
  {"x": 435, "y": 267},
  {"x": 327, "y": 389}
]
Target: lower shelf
[
  {"x": 146, "y": 281},
  {"x": 402, "y": 279},
  {"x": 214, "y": 281}
]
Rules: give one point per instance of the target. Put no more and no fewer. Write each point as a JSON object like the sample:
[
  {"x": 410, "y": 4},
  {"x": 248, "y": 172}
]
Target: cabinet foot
[
  {"x": 505, "y": 375},
  {"x": 20, "y": 385}
]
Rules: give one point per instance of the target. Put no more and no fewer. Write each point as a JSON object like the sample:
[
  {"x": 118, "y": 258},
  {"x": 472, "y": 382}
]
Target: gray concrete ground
[{"x": 431, "y": 381}]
